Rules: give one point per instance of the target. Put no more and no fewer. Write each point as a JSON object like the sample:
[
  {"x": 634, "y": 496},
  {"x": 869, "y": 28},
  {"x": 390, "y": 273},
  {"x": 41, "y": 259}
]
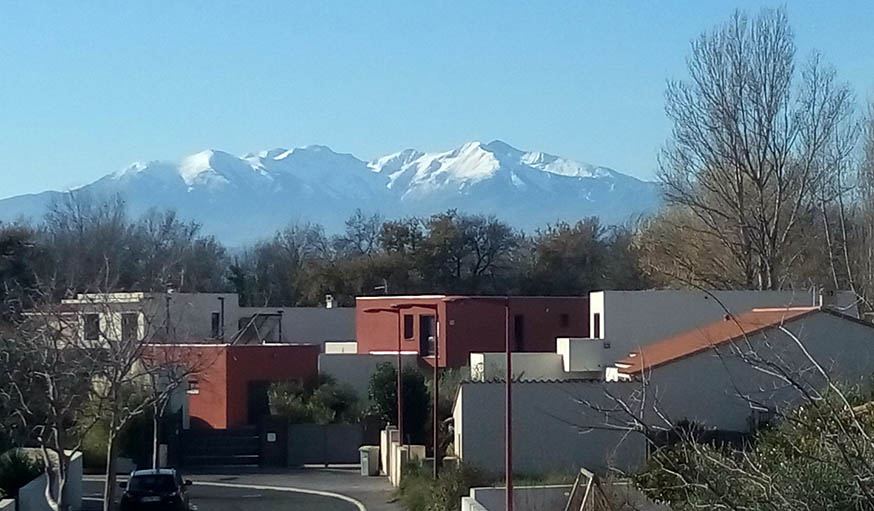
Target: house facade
[
  {"x": 228, "y": 385},
  {"x": 730, "y": 374},
  {"x": 204, "y": 318},
  {"x": 465, "y": 324}
]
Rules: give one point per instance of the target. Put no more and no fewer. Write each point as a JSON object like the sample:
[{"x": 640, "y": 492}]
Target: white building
[
  {"x": 632, "y": 319},
  {"x": 729, "y": 373},
  {"x": 204, "y": 317}
]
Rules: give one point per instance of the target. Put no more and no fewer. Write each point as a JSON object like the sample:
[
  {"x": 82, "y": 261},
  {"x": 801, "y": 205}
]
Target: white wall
[
  {"x": 341, "y": 347},
  {"x": 631, "y": 319},
  {"x": 31, "y": 497},
  {"x": 526, "y": 366},
  {"x": 315, "y": 325},
  {"x": 552, "y": 429},
  {"x": 584, "y": 355},
  {"x": 528, "y": 498},
  {"x": 705, "y": 387},
  {"x": 191, "y": 317}
]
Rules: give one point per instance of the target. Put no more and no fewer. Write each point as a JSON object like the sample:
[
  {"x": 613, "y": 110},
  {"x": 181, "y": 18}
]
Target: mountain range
[{"x": 241, "y": 199}]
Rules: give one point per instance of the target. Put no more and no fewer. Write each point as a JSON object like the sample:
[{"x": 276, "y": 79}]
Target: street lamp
[
  {"x": 435, "y": 426},
  {"x": 508, "y": 393},
  {"x": 400, "y": 399}
]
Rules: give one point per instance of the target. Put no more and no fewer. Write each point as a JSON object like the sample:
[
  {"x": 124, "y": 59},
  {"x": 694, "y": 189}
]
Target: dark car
[{"x": 161, "y": 489}]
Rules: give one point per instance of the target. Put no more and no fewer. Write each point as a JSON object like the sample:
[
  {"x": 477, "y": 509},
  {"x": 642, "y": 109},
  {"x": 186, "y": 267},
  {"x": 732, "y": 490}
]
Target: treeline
[{"x": 86, "y": 244}]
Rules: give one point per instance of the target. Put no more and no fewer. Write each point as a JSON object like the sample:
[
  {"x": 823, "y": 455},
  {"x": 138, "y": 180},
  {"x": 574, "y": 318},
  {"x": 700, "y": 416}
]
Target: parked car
[{"x": 161, "y": 488}]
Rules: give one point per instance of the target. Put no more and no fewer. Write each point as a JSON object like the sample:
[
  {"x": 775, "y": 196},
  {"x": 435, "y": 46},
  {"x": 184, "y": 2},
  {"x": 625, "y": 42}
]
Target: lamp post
[
  {"x": 508, "y": 394},
  {"x": 508, "y": 452},
  {"x": 400, "y": 398},
  {"x": 397, "y": 308}
]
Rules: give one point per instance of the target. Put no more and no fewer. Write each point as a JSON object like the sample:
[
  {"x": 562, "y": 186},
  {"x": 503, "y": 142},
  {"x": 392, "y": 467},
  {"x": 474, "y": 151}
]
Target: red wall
[
  {"x": 208, "y": 408},
  {"x": 381, "y": 329},
  {"x": 223, "y": 374},
  {"x": 472, "y": 324},
  {"x": 272, "y": 363},
  {"x": 207, "y": 364}
]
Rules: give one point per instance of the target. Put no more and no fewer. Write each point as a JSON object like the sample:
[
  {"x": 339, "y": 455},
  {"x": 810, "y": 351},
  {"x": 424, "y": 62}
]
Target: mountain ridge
[{"x": 243, "y": 198}]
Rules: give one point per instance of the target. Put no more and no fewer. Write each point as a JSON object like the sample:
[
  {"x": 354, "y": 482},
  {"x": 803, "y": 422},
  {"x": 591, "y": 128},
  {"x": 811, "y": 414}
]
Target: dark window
[
  {"x": 92, "y": 327},
  {"x": 193, "y": 387},
  {"x": 216, "y": 325},
  {"x": 408, "y": 326},
  {"x": 564, "y": 320},
  {"x": 130, "y": 326},
  {"x": 427, "y": 335},
  {"x": 596, "y": 325},
  {"x": 519, "y": 331}
]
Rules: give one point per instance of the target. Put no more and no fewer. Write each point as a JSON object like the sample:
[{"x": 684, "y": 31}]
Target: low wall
[
  {"x": 324, "y": 444},
  {"x": 469, "y": 504},
  {"x": 32, "y": 497},
  {"x": 553, "y": 431},
  {"x": 529, "y": 498},
  {"x": 7, "y": 505}
]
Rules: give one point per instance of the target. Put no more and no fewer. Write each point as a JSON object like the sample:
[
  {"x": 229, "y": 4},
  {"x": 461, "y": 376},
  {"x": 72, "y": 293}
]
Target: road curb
[{"x": 288, "y": 489}]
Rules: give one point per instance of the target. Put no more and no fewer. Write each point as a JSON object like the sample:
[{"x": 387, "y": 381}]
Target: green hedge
[{"x": 16, "y": 470}]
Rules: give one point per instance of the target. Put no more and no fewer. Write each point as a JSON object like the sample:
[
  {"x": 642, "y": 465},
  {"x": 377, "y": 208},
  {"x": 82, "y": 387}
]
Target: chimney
[
  {"x": 827, "y": 298},
  {"x": 329, "y": 301}
]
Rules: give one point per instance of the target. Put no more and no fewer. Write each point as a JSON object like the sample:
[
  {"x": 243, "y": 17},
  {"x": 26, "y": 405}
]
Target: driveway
[{"x": 275, "y": 490}]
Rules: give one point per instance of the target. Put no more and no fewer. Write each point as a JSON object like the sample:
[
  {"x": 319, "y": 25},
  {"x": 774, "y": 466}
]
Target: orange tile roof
[{"x": 707, "y": 336}]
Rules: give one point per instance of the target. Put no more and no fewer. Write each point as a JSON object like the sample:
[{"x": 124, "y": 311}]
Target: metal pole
[
  {"x": 400, "y": 385},
  {"x": 435, "y": 413},
  {"x": 222, "y": 318},
  {"x": 167, "y": 323},
  {"x": 508, "y": 454}
]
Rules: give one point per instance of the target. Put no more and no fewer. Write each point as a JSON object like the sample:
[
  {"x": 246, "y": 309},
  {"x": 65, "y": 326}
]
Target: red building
[
  {"x": 229, "y": 388},
  {"x": 465, "y": 324}
]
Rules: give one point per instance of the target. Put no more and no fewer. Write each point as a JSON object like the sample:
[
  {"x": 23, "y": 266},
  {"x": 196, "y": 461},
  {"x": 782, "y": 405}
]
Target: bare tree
[
  {"x": 817, "y": 454},
  {"x": 47, "y": 389},
  {"x": 752, "y": 143},
  {"x": 135, "y": 374}
]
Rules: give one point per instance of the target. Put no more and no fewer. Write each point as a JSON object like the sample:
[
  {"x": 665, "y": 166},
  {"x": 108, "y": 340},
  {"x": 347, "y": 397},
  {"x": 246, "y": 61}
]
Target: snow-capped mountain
[{"x": 245, "y": 198}]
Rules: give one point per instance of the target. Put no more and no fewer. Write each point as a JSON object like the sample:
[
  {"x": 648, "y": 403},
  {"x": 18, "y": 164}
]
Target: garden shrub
[{"x": 16, "y": 470}]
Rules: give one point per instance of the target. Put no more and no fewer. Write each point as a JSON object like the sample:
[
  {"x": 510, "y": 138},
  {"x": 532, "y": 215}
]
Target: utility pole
[
  {"x": 508, "y": 454},
  {"x": 434, "y": 409}
]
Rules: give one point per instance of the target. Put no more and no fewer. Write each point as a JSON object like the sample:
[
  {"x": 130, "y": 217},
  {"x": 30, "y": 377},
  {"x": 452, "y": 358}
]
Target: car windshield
[{"x": 152, "y": 483}]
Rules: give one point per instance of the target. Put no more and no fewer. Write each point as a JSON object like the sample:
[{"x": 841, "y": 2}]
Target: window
[
  {"x": 130, "y": 326},
  {"x": 152, "y": 483},
  {"x": 193, "y": 387},
  {"x": 519, "y": 331},
  {"x": 408, "y": 326},
  {"x": 596, "y": 325},
  {"x": 564, "y": 320},
  {"x": 216, "y": 325},
  {"x": 427, "y": 335},
  {"x": 92, "y": 327}
]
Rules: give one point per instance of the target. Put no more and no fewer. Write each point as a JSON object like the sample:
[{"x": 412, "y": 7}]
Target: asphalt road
[{"x": 212, "y": 498}]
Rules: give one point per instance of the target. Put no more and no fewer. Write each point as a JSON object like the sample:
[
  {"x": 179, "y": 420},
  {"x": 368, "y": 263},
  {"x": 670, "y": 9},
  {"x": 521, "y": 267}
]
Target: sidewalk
[{"x": 373, "y": 492}]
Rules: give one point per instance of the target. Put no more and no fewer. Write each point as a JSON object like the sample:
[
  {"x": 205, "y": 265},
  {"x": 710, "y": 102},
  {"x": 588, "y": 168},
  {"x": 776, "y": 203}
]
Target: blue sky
[{"x": 89, "y": 87}]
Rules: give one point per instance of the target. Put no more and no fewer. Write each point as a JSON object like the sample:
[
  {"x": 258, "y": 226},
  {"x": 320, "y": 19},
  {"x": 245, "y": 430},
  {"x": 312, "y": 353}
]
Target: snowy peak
[
  {"x": 249, "y": 197},
  {"x": 416, "y": 175}
]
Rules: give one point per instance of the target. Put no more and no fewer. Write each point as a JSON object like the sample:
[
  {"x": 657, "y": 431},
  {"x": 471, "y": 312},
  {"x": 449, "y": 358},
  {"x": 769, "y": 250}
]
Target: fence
[{"x": 324, "y": 444}]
